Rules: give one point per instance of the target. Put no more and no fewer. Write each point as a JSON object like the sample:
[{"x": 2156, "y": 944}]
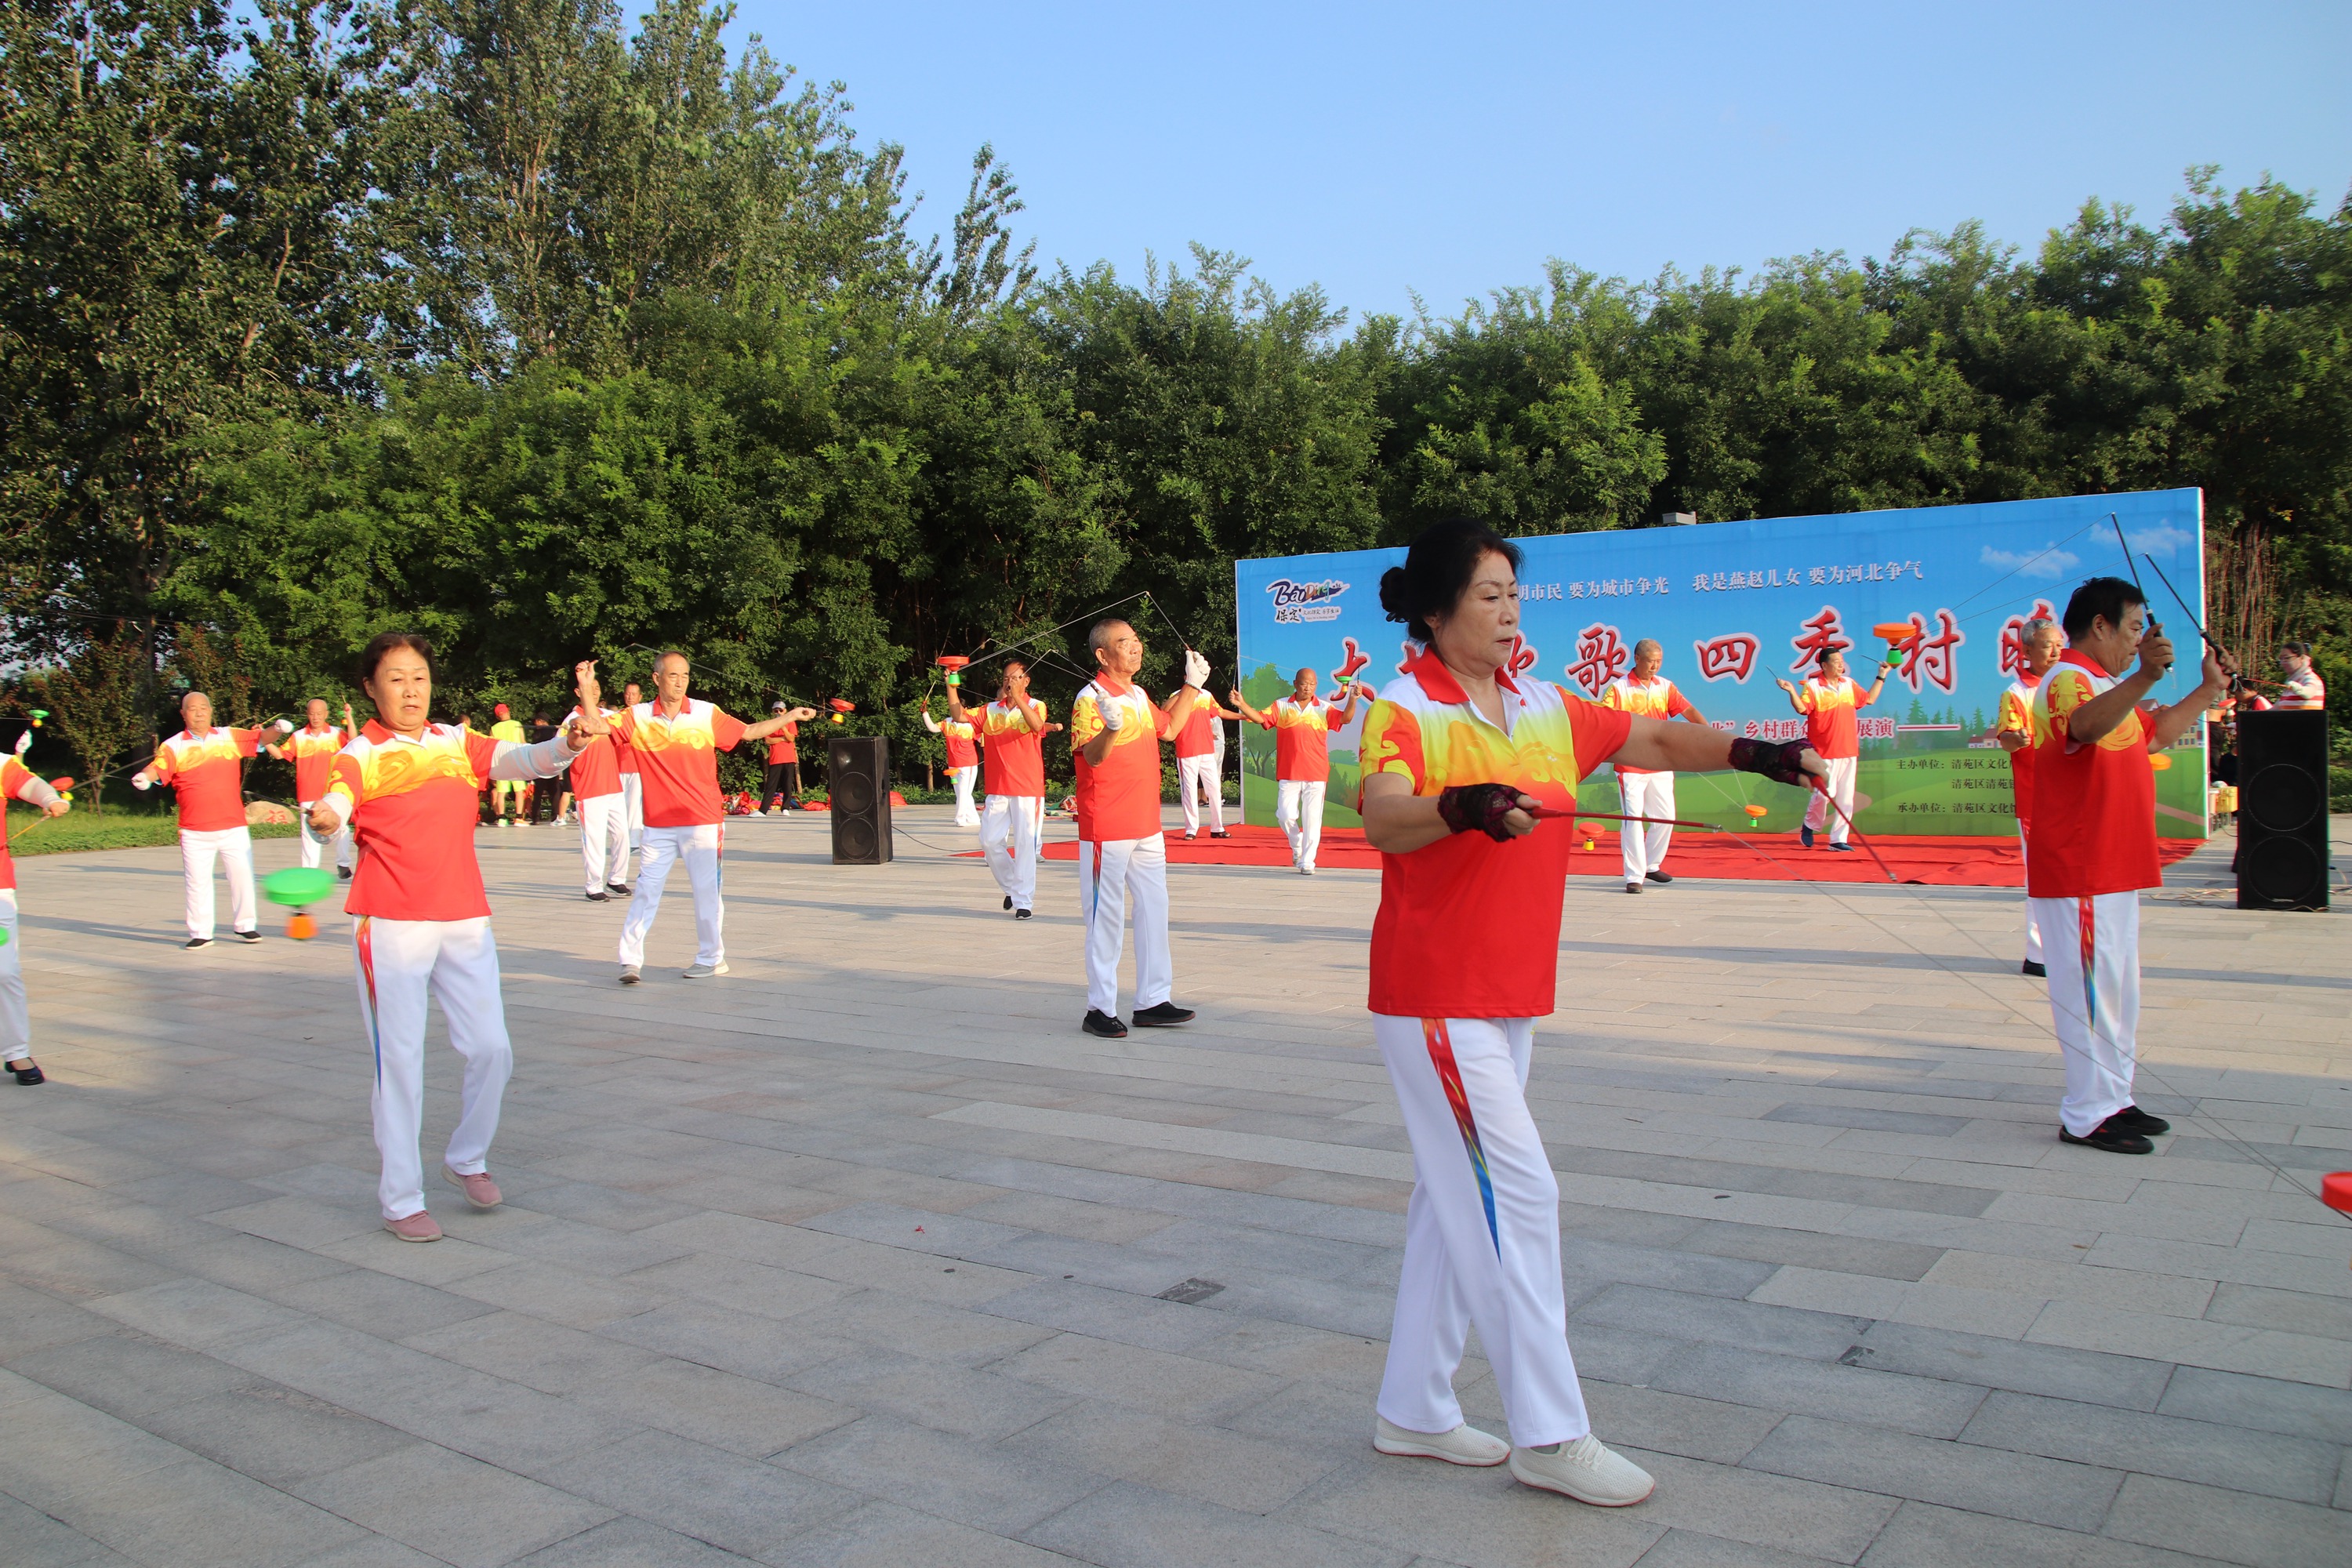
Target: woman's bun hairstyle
[{"x": 1438, "y": 566}]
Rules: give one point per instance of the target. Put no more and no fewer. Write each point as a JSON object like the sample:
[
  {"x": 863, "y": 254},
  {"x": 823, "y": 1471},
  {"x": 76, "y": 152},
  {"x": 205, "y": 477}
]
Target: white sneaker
[
  {"x": 1304, "y": 870},
  {"x": 1585, "y": 1470},
  {"x": 705, "y": 971},
  {"x": 1466, "y": 1444}
]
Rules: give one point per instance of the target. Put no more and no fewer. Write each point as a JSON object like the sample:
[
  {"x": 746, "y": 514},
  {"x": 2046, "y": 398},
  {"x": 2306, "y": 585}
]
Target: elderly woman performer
[
  {"x": 1456, "y": 752},
  {"x": 421, "y": 921}
]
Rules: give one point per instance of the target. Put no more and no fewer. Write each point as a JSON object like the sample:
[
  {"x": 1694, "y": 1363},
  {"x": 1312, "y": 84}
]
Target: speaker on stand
[
  {"x": 858, "y": 786},
  {"x": 2283, "y": 809}
]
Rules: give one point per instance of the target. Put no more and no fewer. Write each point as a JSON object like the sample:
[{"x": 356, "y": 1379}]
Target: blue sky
[{"x": 1383, "y": 150}]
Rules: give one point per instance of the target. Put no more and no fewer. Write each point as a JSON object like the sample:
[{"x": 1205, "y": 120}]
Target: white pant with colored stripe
[
  {"x": 1200, "y": 774},
  {"x": 699, "y": 847},
  {"x": 633, "y": 792},
  {"x": 1298, "y": 810},
  {"x": 313, "y": 846},
  {"x": 2092, "y": 946},
  {"x": 1109, "y": 875},
  {"x": 1645, "y": 795},
  {"x": 1010, "y": 827},
  {"x": 1481, "y": 1233},
  {"x": 604, "y": 840},
  {"x": 967, "y": 815},
  {"x": 232, "y": 847},
  {"x": 15, "y": 1016},
  {"x": 455, "y": 962},
  {"x": 1839, "y": 788},
  {"x": 2033, "y": 925}
]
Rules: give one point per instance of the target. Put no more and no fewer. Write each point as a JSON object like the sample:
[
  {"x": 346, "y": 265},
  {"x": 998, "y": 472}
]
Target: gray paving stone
[
  {"x": 1477, "y": 1517},
  {"x": 2232, "y": 1526},
  {"x": 766, "y": 1348},
  {"x": 1783, "y": 1331},
  {"x": 1922, "y": 1535},
  {"x": 742, "y": 1505},
  {"x": 2290, "y": 1312},
  {"x": 1129, "y": 1526},
  {"x": 1211, "y": 1464},
  {"x": 1002, "y": 1487},
  {"x": 1691, "y": 1549},
  {"x": 36, "y": 1541},
  {"x": 626, "y": 1542},
  {"x": 2264, "y": 1404},
  {"x": 741, "y": 1414},
  {"x": 1910, "y": 1123},
  {"x": 1928, "y": 1406},
  {"x": 1811, "y": 1249},
  {"x": 1775, "y": 1513},
  {"x": 1079, "y": 1308},
  {"x": 455, "y": 1509},
  {"x": 888, "y": 1535},
  {"x": 276, "y": 1436},
  {"x": 2272, "y": 1466},
  {"x": 194, "y": 1513},
  {"x": 1667, "y": 1422},
  {"x": 1982, "y": 1481},
  {"x": 2126, "y": 1382},
  {"x": 129, "y": 1375},
  {"x": 1152, "y": 1380},
  {"x": 946, "y": 1398}
]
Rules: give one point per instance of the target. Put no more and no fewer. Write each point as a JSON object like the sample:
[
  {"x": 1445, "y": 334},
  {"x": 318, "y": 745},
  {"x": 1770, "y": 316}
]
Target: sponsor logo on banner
[{"x": 1295, "y": 602}]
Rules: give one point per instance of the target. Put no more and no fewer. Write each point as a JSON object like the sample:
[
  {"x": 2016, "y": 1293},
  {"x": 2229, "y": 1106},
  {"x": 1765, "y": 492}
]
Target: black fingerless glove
[
  {"x": 1781, "y": 761},
  {"x": 1480, "y": 807}
]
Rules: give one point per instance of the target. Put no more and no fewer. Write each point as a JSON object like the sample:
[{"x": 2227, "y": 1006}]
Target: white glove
[
  {"x": 1196, "y": 667},
  {"x": 141, "y": 781},
  {"x": 286, "y": 726},
  {"x": 1109, "y": 709}
]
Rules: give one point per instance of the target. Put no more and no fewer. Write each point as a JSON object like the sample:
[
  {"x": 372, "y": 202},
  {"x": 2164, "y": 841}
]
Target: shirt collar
[
  {"x": 374, "y": 732},
  {"x": 2075, "y": 656},
  {"x": 1115, "y": 684},
  {"x": 1424, "y": 665}
]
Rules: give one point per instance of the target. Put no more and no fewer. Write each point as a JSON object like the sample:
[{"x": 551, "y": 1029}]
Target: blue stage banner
[{"x": 1737, "y": 605}]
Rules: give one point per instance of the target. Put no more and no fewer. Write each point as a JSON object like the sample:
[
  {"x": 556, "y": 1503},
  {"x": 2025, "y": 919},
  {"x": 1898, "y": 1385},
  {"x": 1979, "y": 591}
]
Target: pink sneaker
[
  {"x": 418, "y": 1226},
  {"x": 479, "y": 1190}
]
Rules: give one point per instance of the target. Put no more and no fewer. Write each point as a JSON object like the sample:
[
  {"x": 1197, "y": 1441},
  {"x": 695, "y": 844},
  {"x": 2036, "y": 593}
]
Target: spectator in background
[
  {"x": 506, "y": 794},
  {"x": 780, "y": 789},
  {"x": 2302, "y": 688}
]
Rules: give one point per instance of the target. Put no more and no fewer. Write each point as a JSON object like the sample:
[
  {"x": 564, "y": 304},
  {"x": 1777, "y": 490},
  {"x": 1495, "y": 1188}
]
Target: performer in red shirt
[
  {"x": 963, "y": 759},
  {"x": 1199, "y": 756},
  {"x": 596, "y": 790},
  {"x": 408, "y": 788},
  {"x": 1645, "y": 693},
  {"x": 1012, "y": 732},
  {"x": 624, "y": 760},
  {"x": 2041, "y": 643},
  {"x": 2093, "y": 847},
  {"x": 15, "y": 1016},
  {"x": 1829, "y": 702},
  {"x": 1302, "y": 760},
  {"x": 1115, "y": 731},
  {"x": 205, "y": 766},
  {"x": 780, "y": 788},
  {"x": 312, "y": 750},
  {"x": 677, "y": 741},
  {"x": 1464, "y": 949}
]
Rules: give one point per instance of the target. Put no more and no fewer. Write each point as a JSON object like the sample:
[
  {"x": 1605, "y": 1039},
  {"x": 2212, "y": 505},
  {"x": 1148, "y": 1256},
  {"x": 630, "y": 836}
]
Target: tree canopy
[{"x": 551, "y": 336}]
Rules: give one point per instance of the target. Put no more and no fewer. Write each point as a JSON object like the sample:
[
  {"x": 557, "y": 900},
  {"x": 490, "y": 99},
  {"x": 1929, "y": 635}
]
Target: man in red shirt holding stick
[
  {"x": 2040, "y": 644},
  {"x": 205, "y": 766},
  {"x": 1830, "y": 701},
  {"x": 312, "y": 750},
  {"x": 1012, "y": 732}
]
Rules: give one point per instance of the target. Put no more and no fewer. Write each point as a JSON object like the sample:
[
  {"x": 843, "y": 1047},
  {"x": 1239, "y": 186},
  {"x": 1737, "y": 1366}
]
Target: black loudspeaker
[
  {"x": 858, "y": 783},
  {"x": 2283, "y": 809}
]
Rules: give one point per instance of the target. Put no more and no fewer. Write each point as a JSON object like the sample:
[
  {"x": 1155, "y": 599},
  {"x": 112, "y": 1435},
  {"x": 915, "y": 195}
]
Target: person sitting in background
[{"x": 2302, "y": 688}]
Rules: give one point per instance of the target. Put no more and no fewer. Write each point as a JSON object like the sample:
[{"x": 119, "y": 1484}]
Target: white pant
[
  {"x": 1840, "y": 786},
  {"x": 967, "y": 815},
  {"x": 313, "y": 846},
  {"x": 1108, "y": 875},
  {"x": 699, "y": 848},
  {"x": 1299, "y": 809},
  {"x": 456, "y": 963},
  {"x": 2033, "y": 925},
  {"x": 603, "y": 841},
  {"x": 2092, "y": 950},
  {"x": 1645, "y": 795},
  {"x": 1481, "y": 1233},
  {"x": 234, "y": 848},
  {"x": 15, "y": 1017},
  {"x": 1200, "y": 774},
  {"x": 1009, "y": 830},
  {"x": 632, "y": 791}
]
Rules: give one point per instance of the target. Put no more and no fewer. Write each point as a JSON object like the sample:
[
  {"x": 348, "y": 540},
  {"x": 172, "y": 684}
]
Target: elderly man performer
[
  {"x": 2039, "y": 646},
  {"x": 1646, "y": 792},
  {"x": 204, "y": 765},
  {"x": 1831, "y": 702},
  {"x": 1115, "y": 731},
  {"x": 677, "y": 740},
  {"x": 311, "y": 749}
]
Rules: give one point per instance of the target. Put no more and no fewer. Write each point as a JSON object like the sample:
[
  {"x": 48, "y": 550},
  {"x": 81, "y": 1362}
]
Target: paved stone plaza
[{"x": 866, "y": 1255}]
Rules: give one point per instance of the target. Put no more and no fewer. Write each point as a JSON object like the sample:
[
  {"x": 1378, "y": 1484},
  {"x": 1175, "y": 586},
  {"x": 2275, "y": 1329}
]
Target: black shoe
[
  {"x": 1632, "y": 886},
  {"x": 2132, "y": 1119},
  {"x": 30, "y": 1074},
  {"x": 1661, "y": 876},
  {"x": 1805, "y": 836},
  {"x": 194, "y": 942},
  {"x": 1024, "y": 914},
  {"x": 1190, "y": 836},
  {"x": 1843, "y": 849},
  {"x": 620, "y": 888},
  {"x": 1099, "y": 1023},
  {"x": 1008, "y": 900},
  {"x": 254, "y": 935},
  {"x": 2038, "y": 971},
  {"x": 1162, "y": 1017},
  {"x": 599, "y": 898},
  {"x": 1221, "y": 833},
  {"x": 342, "y": 873},
  {"x": 2114, "y": 1135}
]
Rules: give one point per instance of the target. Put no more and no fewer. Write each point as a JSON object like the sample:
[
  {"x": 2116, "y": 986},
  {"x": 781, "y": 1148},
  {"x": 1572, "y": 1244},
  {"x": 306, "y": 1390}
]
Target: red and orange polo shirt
[
  {"x": 2094, "y": 806},
  {"x": 411, "y": 807},
  {"x": 678, "y": 759},
  {"x": 1120, "y": 798},
  {"x": 1469, "y": 928},
  {"x": 1829, "y": 707},
  {"x": 1195, "y": 739},
  {"x": 1013, "y": 751},
  {"x": 596, "y": 772},
  {"x": 783, "y": 746},
  {"x": 1655, "y": 698},
  {"x": 961, "y": 752},
  {"x": 313, "y": 752},
  {"x": 208, "y": 772},
  {"x": 2017, "y": 714},
  {"x": 13, "y": 776},
  {"x": 1302, "y": 752}
]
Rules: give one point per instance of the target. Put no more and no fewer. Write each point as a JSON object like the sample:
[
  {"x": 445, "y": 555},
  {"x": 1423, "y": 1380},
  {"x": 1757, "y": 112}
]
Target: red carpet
[{"x": 1939, "y": 862}]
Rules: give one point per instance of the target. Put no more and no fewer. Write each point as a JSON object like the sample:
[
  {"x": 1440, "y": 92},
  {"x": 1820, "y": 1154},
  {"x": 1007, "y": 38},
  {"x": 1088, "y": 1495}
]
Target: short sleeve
[
  {"x": 1391, "y": 745},
  {"x": 624, "y": 725},
  {"x": 725, "y": 729},
  {"x": 2067, "y": 689},
  {"x": 163, "y": 764},
  {"x": 1805, "y": 698},
  {"x": 1677, "y": 703},
  {"x": 248, "y": 742},
  {"x": 1086, "y": 718},
  {"x": 480, "y": 752},
  {"x": 1861, "y": 697},
  {"x": 1596, "y": 731},
  {"x": 13, "y": 776},
  {"x": 345, "y": 777}
]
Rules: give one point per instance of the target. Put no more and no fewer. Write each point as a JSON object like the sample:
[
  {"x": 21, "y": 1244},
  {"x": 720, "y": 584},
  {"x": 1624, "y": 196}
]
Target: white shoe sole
[
  {"x": 714, "y": 971},
  {"x": 1425, "y": 1451},
  {"x": 458, "y": 1181}
]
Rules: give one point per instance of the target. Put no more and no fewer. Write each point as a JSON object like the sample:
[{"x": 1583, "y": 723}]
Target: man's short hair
[
  {"x": 1652, "y": 643},
  {"x": 1828, "y": 654},
  {"x": 186, "y": 697},
  {"x": 2035, "y": 627},
  {"x": 1098, "y": 636},
  {"x": 2100, "y": 598},
  {"x": 678, "y": 654},
  {"x": 2300, "y": 650}
]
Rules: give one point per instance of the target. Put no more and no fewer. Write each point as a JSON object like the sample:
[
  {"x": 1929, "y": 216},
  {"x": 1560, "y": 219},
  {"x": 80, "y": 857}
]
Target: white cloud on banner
[
  {"x": 2162, "y": 539},
  {"x": 2045, "y": 564}
]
